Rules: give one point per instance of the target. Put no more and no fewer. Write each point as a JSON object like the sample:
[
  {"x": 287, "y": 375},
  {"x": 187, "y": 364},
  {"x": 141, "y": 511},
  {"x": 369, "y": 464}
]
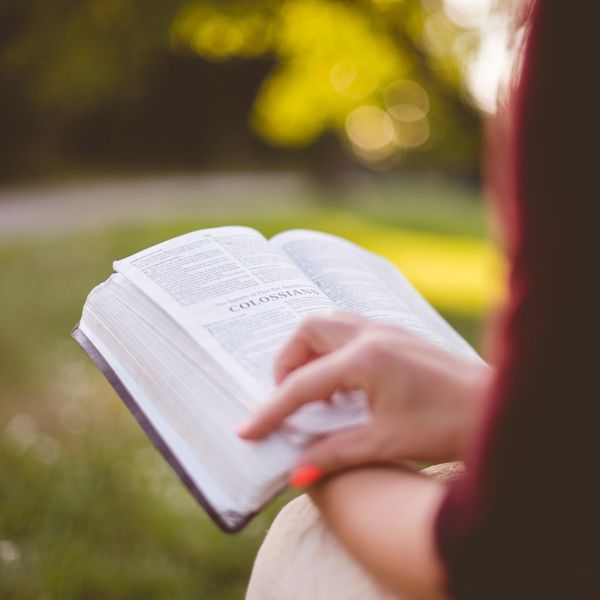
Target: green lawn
[{"x": 87, "y": 508}]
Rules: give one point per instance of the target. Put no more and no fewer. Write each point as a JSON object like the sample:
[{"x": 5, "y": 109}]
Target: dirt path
[{"x": 53, "y": 209}]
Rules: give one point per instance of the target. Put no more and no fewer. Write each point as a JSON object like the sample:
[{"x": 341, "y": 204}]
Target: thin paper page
[
  {"x": 363, "y": 283},
  {"x": 441, "y": 332},
  {"x": 233, "y": 293},
  {"x": 193, "y": 412}
]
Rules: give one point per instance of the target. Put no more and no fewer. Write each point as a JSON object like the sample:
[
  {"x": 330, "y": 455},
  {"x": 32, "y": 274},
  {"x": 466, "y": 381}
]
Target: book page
[
  {"x": 191, "y": 408},
  {"x": 364, "y": 283},
  {"x": 233, "y": 293}
]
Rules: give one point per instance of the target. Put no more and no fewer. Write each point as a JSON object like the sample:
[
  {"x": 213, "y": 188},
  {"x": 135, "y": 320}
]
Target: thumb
[{"x": 335, "y": 452}]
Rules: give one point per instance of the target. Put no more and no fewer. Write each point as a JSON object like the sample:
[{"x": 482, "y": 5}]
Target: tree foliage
[
  {"x": 370, "y": 70},
  {"x": 383, "y": 75}
]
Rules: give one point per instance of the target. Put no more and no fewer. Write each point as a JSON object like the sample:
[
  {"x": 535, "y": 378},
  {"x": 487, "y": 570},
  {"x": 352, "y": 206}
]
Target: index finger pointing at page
[
  {"x": 314, "y": 337},
  {"x": 315, "y": 381}
]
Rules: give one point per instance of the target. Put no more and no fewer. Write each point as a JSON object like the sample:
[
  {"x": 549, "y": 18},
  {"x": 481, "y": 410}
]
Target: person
[{"x": 522, "y": 522}]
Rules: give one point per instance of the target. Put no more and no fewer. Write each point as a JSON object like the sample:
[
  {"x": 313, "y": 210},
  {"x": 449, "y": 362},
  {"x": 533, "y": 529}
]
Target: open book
[{"x": 186, "y": 332}]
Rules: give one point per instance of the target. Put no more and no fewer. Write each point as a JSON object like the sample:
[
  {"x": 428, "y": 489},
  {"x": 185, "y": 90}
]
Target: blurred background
[{"x": 126, "y": 122}]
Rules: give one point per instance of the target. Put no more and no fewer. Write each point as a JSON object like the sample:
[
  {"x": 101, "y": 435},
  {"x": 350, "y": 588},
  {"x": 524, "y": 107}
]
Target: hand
[{"x": 424, "y": 400}]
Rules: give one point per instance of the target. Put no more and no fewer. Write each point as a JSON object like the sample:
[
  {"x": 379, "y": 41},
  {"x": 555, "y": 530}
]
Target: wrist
[
  {"x": 385, "y": 517},
  {"x": 473, "y": 401}
]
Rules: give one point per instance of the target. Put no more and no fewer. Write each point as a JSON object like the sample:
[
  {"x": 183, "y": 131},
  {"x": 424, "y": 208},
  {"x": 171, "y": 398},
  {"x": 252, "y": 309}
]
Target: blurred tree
[
  {"x": 70, "y": 55},
  {"x": 62, "y": 59},
  {"x": 385, "y": 74},
  {"x": 174, "y": 83}
]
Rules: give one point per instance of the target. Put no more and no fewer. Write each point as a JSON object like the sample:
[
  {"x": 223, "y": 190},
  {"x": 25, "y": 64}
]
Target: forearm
[{"x": 384, "y": 517}]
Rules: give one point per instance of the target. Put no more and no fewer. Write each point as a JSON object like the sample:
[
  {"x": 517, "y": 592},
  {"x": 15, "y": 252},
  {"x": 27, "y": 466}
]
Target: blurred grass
[{"x": 87, "y": 508}]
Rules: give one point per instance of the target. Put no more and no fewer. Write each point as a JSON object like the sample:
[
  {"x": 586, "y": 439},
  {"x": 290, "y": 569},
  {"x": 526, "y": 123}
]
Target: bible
[{"x": 186, "y": 332}]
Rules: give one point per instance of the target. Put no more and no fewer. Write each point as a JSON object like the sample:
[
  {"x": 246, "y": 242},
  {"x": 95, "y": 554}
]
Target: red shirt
[{"x": 524, "y": 523}]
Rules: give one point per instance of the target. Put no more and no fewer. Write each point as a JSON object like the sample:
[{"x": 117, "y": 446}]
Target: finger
[
  {"x": 350, "y": 448},
  {"x": 315, "y": 381},
  {"x": 316, "y": 336}
]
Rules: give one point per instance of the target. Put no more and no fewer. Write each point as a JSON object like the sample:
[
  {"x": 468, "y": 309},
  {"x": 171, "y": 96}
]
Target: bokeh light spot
[
  {"x": 21, "y": 432},
  {"x": 343, "y": 74},
  {"x": 411, "y": 134},
  {"x": 406, "y": 101},
  {"x": 352, "y": 79},
  {"x": 9, "y": 552},
  {"x": 371, "y": 132}
]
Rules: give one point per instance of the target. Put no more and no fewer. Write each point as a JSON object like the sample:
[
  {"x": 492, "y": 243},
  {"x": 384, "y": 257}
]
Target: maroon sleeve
[{"x": 524, "y": 522}]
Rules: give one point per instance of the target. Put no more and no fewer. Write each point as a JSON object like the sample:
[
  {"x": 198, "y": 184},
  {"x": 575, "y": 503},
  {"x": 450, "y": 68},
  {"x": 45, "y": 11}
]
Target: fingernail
[
  {"x": 242, "y": 429},
  {"x": 305, "y": 475}
]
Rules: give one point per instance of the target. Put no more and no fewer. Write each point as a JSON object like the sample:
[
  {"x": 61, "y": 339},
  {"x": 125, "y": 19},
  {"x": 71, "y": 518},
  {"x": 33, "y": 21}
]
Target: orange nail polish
[{"x": 305, "y": 475}]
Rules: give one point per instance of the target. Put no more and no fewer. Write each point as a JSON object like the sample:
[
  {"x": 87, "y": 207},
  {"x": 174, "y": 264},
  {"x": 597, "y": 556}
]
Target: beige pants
[{"x": 301, "y": 559}]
